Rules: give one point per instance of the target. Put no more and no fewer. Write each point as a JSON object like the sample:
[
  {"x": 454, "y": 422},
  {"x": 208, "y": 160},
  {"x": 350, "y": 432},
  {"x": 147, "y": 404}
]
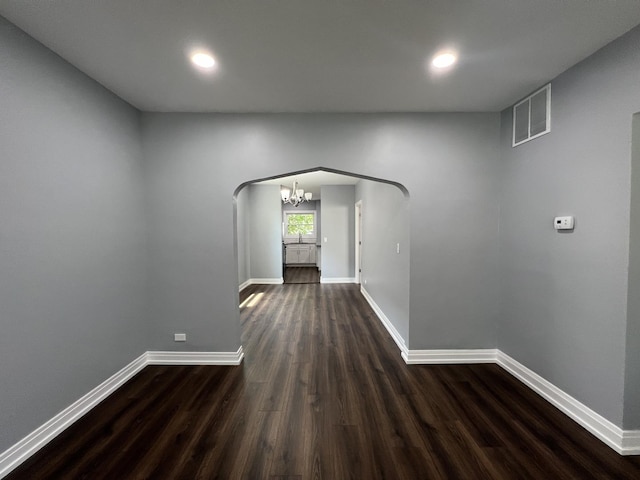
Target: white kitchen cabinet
[
  {"x": 303, "y": 254},
  {"x": 291, "y": 254},
  {"x": 300, "y": 253}
]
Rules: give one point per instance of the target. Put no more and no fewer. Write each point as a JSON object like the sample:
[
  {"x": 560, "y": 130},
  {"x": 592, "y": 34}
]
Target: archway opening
[{"x": 361, "y": 236}]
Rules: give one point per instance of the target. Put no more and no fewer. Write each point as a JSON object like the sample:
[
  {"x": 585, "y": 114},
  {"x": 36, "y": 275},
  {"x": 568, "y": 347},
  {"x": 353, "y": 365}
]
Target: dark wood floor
[
  {"x": 301, "y": 275},
  {"x": 324, "y": 394}
]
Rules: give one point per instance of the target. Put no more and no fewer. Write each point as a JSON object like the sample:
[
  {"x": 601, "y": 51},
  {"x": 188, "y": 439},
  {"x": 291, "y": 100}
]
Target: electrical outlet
[{"x": 179, "y": 337}]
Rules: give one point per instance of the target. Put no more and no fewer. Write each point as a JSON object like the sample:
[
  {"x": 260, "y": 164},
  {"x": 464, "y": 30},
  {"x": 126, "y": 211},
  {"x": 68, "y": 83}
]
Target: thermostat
[{"x": 563, "y": 223}]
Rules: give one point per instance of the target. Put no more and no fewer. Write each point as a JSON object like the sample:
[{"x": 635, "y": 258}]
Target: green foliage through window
[{"x": 300, "y": 223}]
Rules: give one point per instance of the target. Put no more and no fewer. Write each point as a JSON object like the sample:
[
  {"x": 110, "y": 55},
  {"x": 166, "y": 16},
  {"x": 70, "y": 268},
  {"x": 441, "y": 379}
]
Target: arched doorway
[{"x": 377, "y": 256}]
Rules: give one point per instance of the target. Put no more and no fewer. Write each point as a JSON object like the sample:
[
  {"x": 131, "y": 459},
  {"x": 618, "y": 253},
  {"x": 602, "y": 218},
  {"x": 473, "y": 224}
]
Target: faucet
[{"x": 300, "y": 237}]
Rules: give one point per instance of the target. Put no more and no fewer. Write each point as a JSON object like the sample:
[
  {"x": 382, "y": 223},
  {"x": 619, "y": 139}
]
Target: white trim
[
  {"x": 625, "y": 442},
  {"x": 18, "y": 453},
  {"x": 630, "y": 442},
  {"x": 195, "y": 358},
  {"x": 337, "y": 279},
  {"x": 260, "y": 281},
  {"x": 599, "y": 426},
  {"x": 449, "y": 356},
  {"x": 265, "y": 281},
  {"x": 21, "y": 451},
  {"x": 386, "y": 322},
  {"x": 358, "y": 244}
]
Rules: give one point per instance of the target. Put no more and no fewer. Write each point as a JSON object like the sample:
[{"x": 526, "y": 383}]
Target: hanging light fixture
[{"x": 294, "y": 196}]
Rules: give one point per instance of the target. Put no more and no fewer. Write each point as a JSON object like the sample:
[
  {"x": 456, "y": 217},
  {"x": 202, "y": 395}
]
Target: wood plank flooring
[
  {"x": 324, "y": 394},
  {"x": 301, "y": 275}
]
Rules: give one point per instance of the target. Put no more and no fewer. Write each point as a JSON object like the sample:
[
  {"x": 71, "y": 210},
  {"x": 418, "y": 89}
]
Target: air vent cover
[{"x": 532, "y": 116}]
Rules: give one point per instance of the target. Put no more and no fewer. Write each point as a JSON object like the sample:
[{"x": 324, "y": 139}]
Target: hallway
[
  {"x": 324, "y": 394},
  {"x": 301, "y": 275}
]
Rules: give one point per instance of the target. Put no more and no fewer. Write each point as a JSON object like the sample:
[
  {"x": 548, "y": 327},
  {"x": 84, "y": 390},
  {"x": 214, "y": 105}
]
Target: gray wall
[
  {"x": 72, "y": 235},
  {"x": 632, "y": 365},
  {"x": 385, "y": 223},
  {"x": 312, "y": 205},
  {"x": 90, "y": 280},
  {"x": 338, "y": 227},
  {"x": 451, "y": 171},
  {"x": 193, "y": 269},
  {"x": 265, "y": 231},
  {"x": 564, "y": 296},
  {"x": 243, "y": 217},
  {"x": 448, "y": 163}
]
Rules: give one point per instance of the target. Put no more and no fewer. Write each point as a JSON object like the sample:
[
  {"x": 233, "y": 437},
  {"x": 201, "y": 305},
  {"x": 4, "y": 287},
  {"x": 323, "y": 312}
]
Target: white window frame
[
  {"x": 285, "y": 223},
  {"x": 547, "y": 87}
]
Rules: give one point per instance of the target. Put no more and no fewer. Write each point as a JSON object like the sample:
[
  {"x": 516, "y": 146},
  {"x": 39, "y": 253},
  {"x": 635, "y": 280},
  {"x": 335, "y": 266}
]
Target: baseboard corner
[
  {"x": 195, "y": 358},
  {"x": 630, "y": 444}
]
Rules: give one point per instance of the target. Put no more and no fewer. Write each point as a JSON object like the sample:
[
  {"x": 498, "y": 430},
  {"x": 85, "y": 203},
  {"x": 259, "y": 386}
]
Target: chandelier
[{"x": 295, "y": 196}]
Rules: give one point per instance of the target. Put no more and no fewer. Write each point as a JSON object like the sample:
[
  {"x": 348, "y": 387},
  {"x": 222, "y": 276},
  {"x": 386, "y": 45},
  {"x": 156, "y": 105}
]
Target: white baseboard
[
  {"x": 18, "y": 453},
  {"x": 337, "y": 279},
  {"x": 625, "y": 442},
  {"x": 195, "y": 358},
  {"x": 425, "y": 357},
  {"x": 386, "y": 322},
  {"x": 265, "y": 281},
  {"x": 260, "y": 281},
  {"x": 630, "y": 442}
]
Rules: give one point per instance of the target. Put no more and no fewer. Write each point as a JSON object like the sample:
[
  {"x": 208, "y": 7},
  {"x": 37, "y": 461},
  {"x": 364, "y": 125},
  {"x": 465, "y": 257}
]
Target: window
[
  {"x": 532, "y": 116},
  {"x": 300, "y": 223}
]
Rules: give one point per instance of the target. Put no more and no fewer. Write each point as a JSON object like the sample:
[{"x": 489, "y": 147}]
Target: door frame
[{"x": 358, "y": 245}]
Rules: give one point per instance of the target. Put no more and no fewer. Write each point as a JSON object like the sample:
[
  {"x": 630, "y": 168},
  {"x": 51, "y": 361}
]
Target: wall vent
[{"x": 532, "y": 116}]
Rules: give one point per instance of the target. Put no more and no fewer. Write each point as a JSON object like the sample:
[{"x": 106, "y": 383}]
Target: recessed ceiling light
[
  {"x": 444, "y": 60},
  {"x": 203, "y": 60}
]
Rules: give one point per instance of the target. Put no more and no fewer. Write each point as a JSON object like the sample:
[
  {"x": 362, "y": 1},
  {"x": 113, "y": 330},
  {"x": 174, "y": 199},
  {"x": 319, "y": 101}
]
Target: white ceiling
[
  {"x": 329, "y": 55},
  {"x": 312, "y": 181}
]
